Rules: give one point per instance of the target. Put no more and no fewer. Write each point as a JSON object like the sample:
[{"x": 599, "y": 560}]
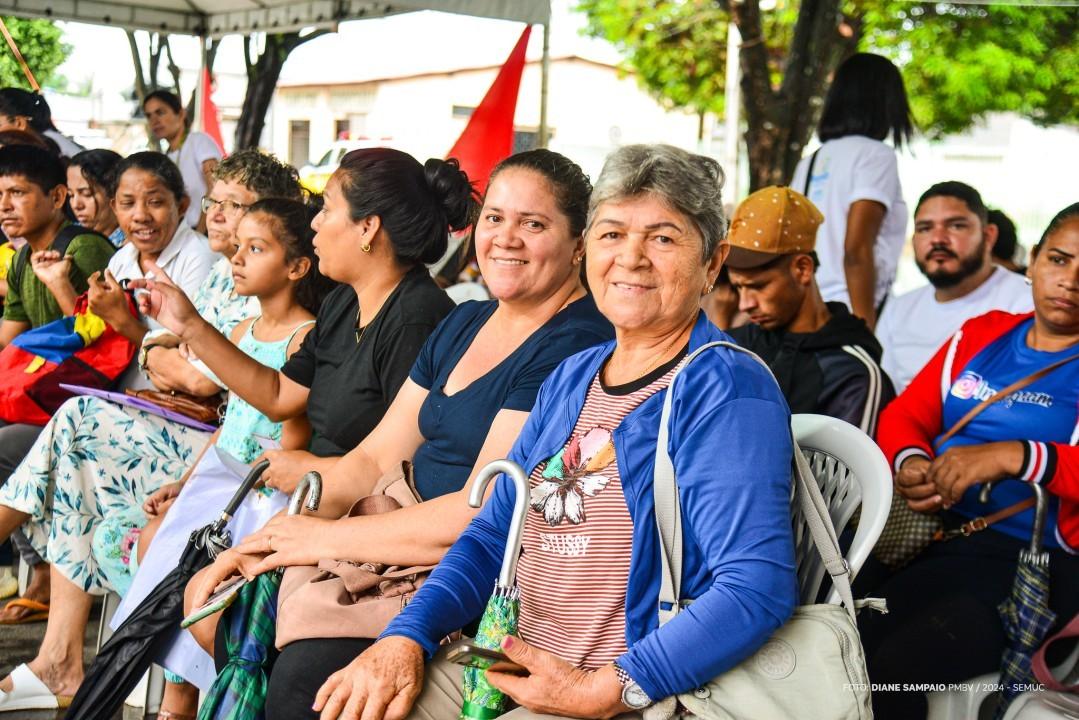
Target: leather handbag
[
  {"x": 814, "y": 661},
  {"x": 204, "y": 409},
  {"x": 341, "y": 598}
]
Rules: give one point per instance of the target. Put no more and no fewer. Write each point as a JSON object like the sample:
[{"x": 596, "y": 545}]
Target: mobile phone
[
  {"x": 466, "y": 652},
  {"x": 224, "y": 596}
]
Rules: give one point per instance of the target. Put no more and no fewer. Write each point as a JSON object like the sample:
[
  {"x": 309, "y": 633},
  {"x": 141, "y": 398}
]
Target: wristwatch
[
  {"x": 633, "y": 696},
  {"x": 144, "y": 355}
]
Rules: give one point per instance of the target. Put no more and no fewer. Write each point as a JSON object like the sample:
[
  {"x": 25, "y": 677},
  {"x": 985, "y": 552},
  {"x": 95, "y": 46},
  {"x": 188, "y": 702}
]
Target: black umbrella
[{"x": 153, "y": 625}]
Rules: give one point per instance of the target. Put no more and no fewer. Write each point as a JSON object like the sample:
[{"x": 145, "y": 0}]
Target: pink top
[{"x": 578, "y": 537}]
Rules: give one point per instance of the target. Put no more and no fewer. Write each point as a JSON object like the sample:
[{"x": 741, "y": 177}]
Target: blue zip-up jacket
[{"x": 731, "y": 445}]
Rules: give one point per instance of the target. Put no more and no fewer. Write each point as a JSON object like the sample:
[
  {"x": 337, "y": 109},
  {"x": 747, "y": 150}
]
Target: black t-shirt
[{"x": 353, "y": 383}]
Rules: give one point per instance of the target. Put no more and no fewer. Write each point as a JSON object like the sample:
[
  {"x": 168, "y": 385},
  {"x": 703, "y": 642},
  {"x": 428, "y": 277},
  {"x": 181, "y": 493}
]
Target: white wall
[{"x": 591, "y": 110}]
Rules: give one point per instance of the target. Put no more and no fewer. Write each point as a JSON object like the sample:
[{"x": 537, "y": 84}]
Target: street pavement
[{"x": 19, "y": 643}]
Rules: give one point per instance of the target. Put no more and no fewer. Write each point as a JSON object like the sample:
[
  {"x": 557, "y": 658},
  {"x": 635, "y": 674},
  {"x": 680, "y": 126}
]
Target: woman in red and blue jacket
[{"x": 943, "y": 624}]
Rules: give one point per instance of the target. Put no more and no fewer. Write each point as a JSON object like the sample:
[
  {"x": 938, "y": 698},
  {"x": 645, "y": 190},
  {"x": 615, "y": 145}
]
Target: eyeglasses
[{"x": 227, "y": 206}]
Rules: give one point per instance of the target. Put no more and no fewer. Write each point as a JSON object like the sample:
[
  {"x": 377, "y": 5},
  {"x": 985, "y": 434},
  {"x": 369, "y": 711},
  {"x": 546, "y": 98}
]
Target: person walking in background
[
  {"x": 195, "y": 153},
  {"x": 825, "y": 359},
  {"x": 854, "y": 180},
  {"x": 953, "y": 246}
]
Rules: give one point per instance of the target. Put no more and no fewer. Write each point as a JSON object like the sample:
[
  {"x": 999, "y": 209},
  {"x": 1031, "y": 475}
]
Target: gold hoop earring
[{"x": 366, "y": 247}]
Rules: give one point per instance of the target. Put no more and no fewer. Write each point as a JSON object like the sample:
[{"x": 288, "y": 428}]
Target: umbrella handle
[
  {"x": 309, "y": 488},
  {"x": 1041, "y": 510},
  {"x": 508, "y": 575},
  {"x": 245, "y": 487}
]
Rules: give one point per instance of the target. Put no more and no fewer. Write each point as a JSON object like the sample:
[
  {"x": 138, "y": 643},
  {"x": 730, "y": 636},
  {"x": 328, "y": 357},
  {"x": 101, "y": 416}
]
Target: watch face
[{"x": 634, "y": 697}]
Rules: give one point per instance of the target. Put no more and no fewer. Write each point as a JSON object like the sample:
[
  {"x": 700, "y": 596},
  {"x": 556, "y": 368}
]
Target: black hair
[
  {"x": 959, "y": 191},
  {"x": 291, "y": 221},
  {"x": 170, "y": 99},
  {"x": 1007, "y": 238},
  {"x": 417, "y": 204},
  {"x": 97, "y": 166},
  {"x": 16, "y": 101},
  {"x": 37, "y": 165},
  {"x": 1069, "y": 213},
  {"x": 569, "y": 182},
  {"x": 261, "y": 173},
  {"x": 26, "y": 137},
  {"x": 867, "y": 97},
  {"x": 154, "y": 163}
]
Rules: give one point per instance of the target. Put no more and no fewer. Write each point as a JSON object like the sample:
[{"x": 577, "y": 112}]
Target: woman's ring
[{"x": 269, "y": 543}]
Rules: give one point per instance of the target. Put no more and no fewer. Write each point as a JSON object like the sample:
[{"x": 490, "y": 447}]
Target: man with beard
[
  {"x": 825, "y": 359},
  {"x": 953, "y": 245}
]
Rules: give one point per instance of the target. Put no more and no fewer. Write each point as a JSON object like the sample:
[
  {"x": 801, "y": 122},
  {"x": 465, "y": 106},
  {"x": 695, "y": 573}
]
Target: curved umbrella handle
[
  {"x": 245, "y": 487},
  {"x": 309, "y": 488},
  {"x": 508, "y": 576}
]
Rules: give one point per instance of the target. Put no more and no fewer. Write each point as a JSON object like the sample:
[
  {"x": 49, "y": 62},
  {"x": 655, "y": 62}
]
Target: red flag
[
  {"x": 488, "y": 137},
  {"x": 210, "y": 124}
]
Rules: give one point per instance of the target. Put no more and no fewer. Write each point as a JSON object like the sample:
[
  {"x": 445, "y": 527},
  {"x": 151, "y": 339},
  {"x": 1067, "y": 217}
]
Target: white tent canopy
[{"x": 215, "y": 18}]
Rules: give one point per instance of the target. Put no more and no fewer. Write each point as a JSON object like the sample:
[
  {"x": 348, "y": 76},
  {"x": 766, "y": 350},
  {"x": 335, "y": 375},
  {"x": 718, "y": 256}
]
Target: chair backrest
[{"x": 851, "y": 471}]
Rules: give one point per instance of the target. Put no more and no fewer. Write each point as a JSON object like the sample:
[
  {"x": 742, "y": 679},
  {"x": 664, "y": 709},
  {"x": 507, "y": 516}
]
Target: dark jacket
[{"x": 834, "y": 371}]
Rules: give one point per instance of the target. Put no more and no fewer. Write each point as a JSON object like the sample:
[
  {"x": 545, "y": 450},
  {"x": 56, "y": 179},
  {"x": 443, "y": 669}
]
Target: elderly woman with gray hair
[{"x": 589, "y": 633}]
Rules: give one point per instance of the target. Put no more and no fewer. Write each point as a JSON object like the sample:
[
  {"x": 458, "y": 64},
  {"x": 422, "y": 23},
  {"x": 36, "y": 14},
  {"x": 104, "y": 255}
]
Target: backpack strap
[{"x": 60, "y": 244}]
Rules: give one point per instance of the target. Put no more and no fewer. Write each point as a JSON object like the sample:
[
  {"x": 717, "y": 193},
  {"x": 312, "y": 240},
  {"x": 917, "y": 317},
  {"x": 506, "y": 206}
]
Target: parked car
[{"x": 315, "y": 176}]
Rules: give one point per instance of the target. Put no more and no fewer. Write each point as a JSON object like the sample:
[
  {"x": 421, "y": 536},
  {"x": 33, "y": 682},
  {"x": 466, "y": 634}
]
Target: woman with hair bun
[{"x": 463, "y": 404}]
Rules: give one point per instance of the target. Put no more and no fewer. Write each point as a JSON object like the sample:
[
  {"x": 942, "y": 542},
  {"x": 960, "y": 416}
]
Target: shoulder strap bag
[
  {"x": 342, "y": 598},
  {"x": 815, "y": 660}
]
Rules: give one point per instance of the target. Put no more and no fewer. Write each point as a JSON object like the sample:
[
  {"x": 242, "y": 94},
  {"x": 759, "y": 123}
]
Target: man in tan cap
[{"x": 825, "y": 359}]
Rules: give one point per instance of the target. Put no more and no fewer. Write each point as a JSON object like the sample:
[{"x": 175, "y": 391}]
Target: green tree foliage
[
  {"x": 960, "y": 61},
  {"x": 41, "y": 46}
]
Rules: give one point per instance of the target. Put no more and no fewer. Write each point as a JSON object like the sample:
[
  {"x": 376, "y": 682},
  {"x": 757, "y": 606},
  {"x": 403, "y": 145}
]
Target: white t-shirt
[
  {"x": 187, "y": 260},
  {"x": 914, "y": 325},
  {"x": 196, "y": 149},
  {"x": 847, "y": 170},
  {"x": 68, "y": 147}
]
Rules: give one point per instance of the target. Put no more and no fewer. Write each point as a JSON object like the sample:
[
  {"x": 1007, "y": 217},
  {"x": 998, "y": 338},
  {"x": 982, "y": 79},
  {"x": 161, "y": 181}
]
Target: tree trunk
[
  {"x": 262, "y": 75},
  {"x": 780, "y": 121}
]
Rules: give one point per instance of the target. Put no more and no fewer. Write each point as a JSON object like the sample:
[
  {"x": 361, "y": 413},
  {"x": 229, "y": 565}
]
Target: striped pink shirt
[{"x": 578, "y": 538}]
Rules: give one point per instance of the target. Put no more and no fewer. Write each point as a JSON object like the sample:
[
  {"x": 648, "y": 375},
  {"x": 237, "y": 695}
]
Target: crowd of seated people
[{"x": 315, "y": 322}]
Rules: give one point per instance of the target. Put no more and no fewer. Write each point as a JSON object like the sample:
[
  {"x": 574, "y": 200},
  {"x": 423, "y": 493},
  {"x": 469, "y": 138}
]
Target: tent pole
[
  {"x": 199, "y": 89},
  {"x": 545, "y": 71}
]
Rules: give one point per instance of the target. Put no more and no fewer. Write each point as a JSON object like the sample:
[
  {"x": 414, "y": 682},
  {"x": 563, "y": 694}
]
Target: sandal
[
  {"x": 29, "y": 693},
  {"x": 39, "y": 611}
]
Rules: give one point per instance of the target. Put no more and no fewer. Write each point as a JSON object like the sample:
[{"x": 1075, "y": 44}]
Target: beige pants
[{"x": 441, "y": 697}]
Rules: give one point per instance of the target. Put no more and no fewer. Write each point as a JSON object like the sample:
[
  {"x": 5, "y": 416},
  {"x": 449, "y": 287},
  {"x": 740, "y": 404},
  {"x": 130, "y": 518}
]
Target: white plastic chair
[
  {"x": 964, "y": 704},
  {"x": 851, "y": 471}
]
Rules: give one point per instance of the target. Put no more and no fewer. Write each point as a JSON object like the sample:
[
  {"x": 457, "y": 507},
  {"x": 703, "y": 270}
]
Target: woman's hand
[
  {"x": 554, "y": 687},
  {"x": 286, "y": 468},
  {"x": 166, "y": 303},
  {"x": 228, "y": 564},
  {"x": 960, "y": 467},
  {"x": 290, "y": 540},
  {"x": 107, "y": 300},
  {"x": 913, "y": 483},
  {"x": 161, "y": 498},
  {"x": 381, "y": 684}
]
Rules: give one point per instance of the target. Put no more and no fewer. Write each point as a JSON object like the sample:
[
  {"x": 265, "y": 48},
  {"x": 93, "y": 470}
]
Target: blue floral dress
[{"x": 95, "y": 460}]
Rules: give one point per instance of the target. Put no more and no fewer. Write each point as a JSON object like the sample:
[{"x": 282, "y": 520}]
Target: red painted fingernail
[{"x": 507, "y": 642}]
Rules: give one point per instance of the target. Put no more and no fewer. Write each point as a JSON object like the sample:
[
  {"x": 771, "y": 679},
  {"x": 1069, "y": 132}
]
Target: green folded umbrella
[
  {"x": 481, "y": 700},
  {"x": 239, "y": 691}
]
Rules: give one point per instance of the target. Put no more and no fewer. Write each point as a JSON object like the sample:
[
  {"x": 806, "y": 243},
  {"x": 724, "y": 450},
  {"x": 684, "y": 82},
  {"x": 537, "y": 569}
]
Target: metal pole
[
  {"x": 732, "y": 106},
  {"x": 545, "y": 71}
]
